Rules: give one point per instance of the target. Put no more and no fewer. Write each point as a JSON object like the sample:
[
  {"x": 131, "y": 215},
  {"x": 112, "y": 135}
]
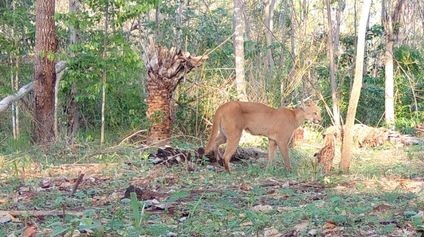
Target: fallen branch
[
  {"x": 6, "y": 102},
  {"x": 41, "y": 213},
  {"x": 77, "y": 183}
]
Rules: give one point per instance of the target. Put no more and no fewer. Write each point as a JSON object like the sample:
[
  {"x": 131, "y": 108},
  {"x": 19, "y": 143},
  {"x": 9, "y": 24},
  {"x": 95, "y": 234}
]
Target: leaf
[
  {"x": 5, "y": 217},
  {"x": 137, "y": 211},
  {"x": 59, "y": 230},
  {"x": 30, "y": 231},
  {"x": 301, "y": 226}
]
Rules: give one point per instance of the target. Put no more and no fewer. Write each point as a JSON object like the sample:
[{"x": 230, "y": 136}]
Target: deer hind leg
[
  {"x": 232, "y": 143},
  {"x": 221, "y": 139},
  {"x": 283, "y": 145},
  {"x": 272, "y": 145}
]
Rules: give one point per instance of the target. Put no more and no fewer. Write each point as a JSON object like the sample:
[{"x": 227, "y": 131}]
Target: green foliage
[
  {"x": 410, "y": 87},
  {"x": 199, "y": 28}
]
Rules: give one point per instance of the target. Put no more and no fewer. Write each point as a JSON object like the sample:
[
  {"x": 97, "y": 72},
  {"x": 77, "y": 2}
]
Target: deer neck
[{"x": 299, "y": 116}]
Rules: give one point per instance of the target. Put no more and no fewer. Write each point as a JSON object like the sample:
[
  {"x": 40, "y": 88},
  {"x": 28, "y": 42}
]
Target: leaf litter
[{"x": 171, "y": 192}]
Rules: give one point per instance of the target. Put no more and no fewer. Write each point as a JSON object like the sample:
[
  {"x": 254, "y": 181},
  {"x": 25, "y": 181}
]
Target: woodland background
[
  {"x": 87, "y": 163},
  {"x": 285, "y": 50}
]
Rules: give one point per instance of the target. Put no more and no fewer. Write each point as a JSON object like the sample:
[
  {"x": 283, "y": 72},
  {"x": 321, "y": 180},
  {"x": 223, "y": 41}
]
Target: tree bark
[
  {"x": 390, "y": 20},
  {"x": 72, "y": 110},
  {"x": 268, "y": 18},
  {"x": 333, "y": 69},
  {"x": 8, "y": 100},
  {"x": 14, "y": 76},
  {"x": 239, "y": 50},
  {"x": 340, "y": 8},
  {"x": 104, "y": 75},
  {"x": 347, "y": 143},
  {"x": 45, "y": 75}
]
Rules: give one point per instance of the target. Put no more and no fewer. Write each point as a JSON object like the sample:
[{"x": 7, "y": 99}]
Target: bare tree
[
  {"x": 347, "y": 143},
  {"x": 239, "y": 49},
  {"x": 104, "y": 74},
  {"x": 390, "y": 19},
  {"x": 268, "y": 18},
  {"x": 44, "y": 75},
  {"x": 333, "y": 68},
  {"x": 72, "y": 110},
  {"x": 14, "y": 80}
]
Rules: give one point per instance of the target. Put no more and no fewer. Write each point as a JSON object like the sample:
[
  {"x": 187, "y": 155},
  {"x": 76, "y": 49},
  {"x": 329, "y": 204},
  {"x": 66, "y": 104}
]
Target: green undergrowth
[{"x": 382, "y": 196}]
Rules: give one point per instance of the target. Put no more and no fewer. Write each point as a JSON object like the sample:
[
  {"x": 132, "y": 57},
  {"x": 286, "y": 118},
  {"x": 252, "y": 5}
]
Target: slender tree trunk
[
  {"x": 72, "y": 106},
  {"x": 239, "y": 50},
  {"x": 340, "y": 8},
  {"x": 179, "y": 18},
  {"x": 12, "y": 83},
  {"x": 56, "y": 104},
  {"x": 356, "y": 89},
  {"x": 45, "y": 75},
  {"x": 293, "y": 27},
  {"x": 333, "y": 69},
  {"x": 389, "y": 102},
  {"x": 14, "y": 77},
  {"x": 389, "y": 21},
  {"x": 292, "y": 32},
  {"x": 268, "y": 18},
  {"x": 17, "y": 128},
  {"x": 104, "y": 75},
  {"x": 247, "y": 23}
]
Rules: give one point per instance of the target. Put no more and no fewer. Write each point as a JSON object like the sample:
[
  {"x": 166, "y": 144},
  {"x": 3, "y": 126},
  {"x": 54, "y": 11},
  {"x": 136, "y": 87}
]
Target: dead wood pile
[
  {"x": 366, "y": 136},
  {"x": 171, "y": 156}
]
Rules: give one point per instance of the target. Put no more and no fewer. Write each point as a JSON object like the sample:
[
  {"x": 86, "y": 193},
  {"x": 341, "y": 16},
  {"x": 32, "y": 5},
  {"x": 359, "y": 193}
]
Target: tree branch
[{"x": 8, "y": 100}]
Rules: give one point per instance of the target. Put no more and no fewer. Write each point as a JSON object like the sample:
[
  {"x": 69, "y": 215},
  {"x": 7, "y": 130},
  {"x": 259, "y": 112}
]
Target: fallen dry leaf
[
  {"x": 30, "y": 231},
  {"x": 382, "y": 207},
  {"x": 248, "y": 223},
  {"x": 245, "y": 187},
  {"x": 46, "y": 183},
  {"x": 5, "y": 217},
  {"x": 272, "y": 232},
  {"x": 3, "y": 201},
  {"x": 302, "y": 225},
  {"x": 262, "y": 208},
  {"x": 329, "y": 225}
]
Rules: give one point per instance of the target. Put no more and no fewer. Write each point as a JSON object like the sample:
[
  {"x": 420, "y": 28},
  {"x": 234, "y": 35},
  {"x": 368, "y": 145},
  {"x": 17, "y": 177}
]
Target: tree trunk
[
  {"x": 14, "y": 77},
  {"x": 72, "y": 106},
  {"x": 104, "y": 75},
  {"x": 45, "y": 75},
  {"x": 179, "y": 19},
  {"x": 390, "y": 20},
  {"x": 347, "y": 143},
  {"x": 333, "y": 69},
  {"x": 268, "y": 18},
  {"x": 239, "y": 50},
  {"x": 340, "y": 8},
  {"x": 159, "y": 111},
  {"x": 17, "y": 128},
  {"x": 12, "y": 83},
  {"x": 165, "y": 70}
]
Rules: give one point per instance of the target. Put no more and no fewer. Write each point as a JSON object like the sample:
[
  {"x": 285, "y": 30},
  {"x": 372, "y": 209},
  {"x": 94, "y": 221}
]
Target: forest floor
[{"x": 382, "y": 196}]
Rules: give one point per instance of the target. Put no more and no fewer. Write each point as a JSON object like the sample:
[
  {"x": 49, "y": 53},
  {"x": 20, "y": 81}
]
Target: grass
[{"x": 382, "y": 196}]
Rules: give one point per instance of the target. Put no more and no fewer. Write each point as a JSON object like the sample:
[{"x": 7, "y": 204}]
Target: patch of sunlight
[{"x": 249, "y": 140}]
